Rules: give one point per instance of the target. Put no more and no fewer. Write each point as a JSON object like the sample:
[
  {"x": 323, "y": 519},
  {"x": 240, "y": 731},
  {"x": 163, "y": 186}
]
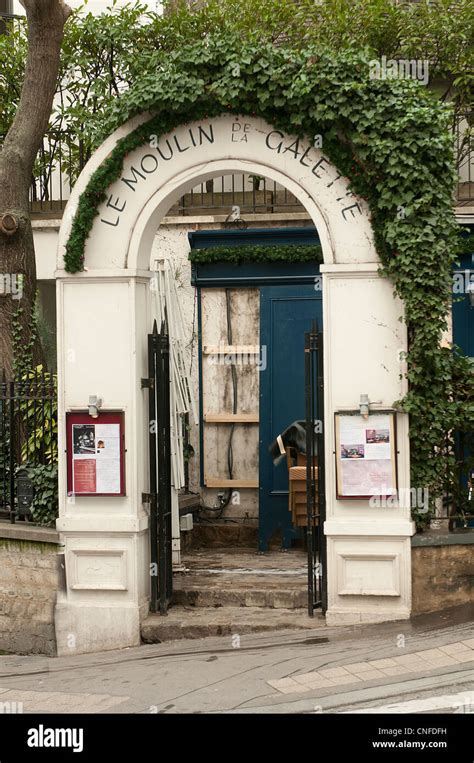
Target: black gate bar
[
  {"x": 165, "y": 561},
  {"x": 158, "y": 384},
  {"x": 153, "y": 497},
  {"x": 315, "y": 477},
  {"x": 322, "y": 549}
]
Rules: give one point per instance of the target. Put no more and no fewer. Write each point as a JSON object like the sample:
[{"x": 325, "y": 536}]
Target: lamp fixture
[
  {"x": 364, "y": 406},
  {"x": 95, "y": 404}
]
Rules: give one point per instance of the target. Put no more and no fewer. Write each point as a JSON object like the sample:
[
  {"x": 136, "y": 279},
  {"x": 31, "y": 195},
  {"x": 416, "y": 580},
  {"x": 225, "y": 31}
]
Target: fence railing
[
  {"x": 28, "y": 431},
  {"x": 63, "y": 155},
  {"x": 225, "y": 193},
  {"x": 60, "y": 160}
]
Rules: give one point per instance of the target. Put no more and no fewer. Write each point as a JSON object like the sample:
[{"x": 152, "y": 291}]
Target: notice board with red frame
[
  {"x": 95, "y": 450},
  {"x": 366, "y": 455}
]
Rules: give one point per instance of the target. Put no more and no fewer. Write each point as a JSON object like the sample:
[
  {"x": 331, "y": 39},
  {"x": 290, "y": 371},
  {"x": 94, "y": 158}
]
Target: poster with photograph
[
  {"x": 365, "y": 455},
  {"x": 83, "y": 439},
  {"x": 95, "y": 459}
]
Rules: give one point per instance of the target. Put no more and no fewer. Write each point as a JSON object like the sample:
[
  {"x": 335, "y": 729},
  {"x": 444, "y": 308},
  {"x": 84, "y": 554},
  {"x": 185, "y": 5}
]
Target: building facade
[{"x": 230, "y": 182}]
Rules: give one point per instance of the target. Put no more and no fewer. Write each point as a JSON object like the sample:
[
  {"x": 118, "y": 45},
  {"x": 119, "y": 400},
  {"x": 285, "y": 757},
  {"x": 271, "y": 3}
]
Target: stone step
[
  {"x": 239, "y": 577},
  {"x": 228, "y": 593},
  {"x": 196, "y": 623},
  {"x": 229, "y": 536}
]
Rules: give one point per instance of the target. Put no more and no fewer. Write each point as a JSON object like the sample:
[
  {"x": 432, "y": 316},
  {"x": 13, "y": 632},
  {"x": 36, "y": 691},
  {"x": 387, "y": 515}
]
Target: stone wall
[
  {"x": 30, "y": 575},
  {"x": 442, "y": 571}
]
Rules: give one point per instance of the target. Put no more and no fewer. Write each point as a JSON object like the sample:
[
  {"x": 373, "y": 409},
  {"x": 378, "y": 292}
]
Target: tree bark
[{"x": 46, "y": 19}]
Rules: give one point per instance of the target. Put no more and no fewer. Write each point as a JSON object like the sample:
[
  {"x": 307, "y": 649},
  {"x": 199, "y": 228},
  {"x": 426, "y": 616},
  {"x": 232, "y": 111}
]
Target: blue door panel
[
  {"x": 463, "y": 323},
  {"x": 286, "y": 313}
]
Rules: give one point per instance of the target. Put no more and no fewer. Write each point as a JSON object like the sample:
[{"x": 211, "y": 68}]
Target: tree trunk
[{"x": 46, "y": 19}]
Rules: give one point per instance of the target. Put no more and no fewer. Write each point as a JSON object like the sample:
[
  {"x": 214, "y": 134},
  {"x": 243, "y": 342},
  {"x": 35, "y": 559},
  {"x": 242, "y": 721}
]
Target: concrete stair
[
  {"x": 188, "y": 623},
  {"x": 253, "y": 595},
  {"x": 228, "y": 591},
  {"x": 239, "y": 577}
]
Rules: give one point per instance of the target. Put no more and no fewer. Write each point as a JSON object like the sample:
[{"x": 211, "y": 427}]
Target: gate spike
[{"x": 155, "y": 327}]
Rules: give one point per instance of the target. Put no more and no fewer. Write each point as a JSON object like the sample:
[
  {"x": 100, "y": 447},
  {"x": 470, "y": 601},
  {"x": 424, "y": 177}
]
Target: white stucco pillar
[
  {"x": 102, "y": 334},
  {"x": 368, "y": 548}
]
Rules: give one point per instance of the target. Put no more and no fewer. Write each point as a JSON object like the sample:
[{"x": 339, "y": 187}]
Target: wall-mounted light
[
  {"x": 364, "y": 406},
  {"x": 94, "y": 406}
]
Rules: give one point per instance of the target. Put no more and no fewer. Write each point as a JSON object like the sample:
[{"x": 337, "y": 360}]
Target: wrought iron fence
[
  {"x": 235, "y": 195},
  {"x": 9, "y": 20},
  {"x": 28, "y": 431},
  {"x": 60, "y": 160}
]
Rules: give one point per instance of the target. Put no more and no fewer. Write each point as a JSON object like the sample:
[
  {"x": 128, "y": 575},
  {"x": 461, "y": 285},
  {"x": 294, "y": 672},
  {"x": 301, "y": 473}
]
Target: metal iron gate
[
  {"x": 28, "y": 440},
  {"x": 159, "y": 497},
  {"x": 315, "y": 481}
]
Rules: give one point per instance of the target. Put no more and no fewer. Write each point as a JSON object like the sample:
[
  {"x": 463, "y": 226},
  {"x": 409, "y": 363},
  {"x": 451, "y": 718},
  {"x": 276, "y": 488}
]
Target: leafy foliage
[
  {"x": 238, "y": 254},
  {"x": 39, "y": 418},
  {"x": 13, "y": 51},
  {"x": 23, "y": 353},
  {"x": 44, "y": 508},
  {"x": 104, "y": 55},
  {"x": 34, "y": 442}
]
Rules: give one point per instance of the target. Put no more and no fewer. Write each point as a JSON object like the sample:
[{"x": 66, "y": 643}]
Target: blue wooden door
[
  {"x": 286, "y": 313},
  {"x": 463, "y": 312}
]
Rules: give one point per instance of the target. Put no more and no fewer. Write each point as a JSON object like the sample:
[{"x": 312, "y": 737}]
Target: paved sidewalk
[
  {"x": 398, "y": 665},
  {"x": 359, "y": 668}
]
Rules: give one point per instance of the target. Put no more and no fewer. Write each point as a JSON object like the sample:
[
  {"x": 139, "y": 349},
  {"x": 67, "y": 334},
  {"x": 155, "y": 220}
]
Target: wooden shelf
[
  {"x": 231, "y": 349},
  {"x": 231, "y": 418},
  {"x": 218, "y": 482}
]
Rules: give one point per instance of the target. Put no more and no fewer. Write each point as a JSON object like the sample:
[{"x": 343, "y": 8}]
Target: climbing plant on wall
[
  {"x": 390, "y": 137},
  {"x": 257, "y": 253}
]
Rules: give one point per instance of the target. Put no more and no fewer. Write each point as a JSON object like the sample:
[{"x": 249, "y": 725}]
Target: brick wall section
[
  {"x": 442, "y": 575},
  {"x": 29, "y": 581}
]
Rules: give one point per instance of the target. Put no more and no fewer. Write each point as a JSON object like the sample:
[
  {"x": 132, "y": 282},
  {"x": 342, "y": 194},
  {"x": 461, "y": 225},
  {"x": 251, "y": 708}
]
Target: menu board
[
  {"x": 95, "y": 457},
  {"x": 365, "y": 455}
]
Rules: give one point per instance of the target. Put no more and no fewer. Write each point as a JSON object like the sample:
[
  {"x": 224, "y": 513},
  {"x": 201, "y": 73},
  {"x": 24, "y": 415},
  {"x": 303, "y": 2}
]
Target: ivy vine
[
  {"x": 390, "y": 137},
  {"x": 257, "y": 253},
  {"x": 23, "y": 349}
]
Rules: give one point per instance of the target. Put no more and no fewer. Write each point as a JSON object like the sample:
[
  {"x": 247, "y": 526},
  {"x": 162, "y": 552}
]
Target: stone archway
[{"x": 103, "y": 319}]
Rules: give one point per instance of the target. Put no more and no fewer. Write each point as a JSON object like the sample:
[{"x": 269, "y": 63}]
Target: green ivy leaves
[
  {"x": 238, "y": 254},
  {"x": 44, "y": 509}
]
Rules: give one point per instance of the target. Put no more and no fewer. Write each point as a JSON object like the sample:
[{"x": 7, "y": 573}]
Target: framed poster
[
  {"x": 95, "y": 450},
  {"x": 366, "y": 462}
]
